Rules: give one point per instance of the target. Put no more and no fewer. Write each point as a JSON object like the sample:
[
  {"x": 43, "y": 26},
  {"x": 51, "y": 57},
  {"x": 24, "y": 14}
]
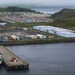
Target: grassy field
[
  {"x": 57, "y": 23},
  {"x": 28, "y": 25},
  {"x": 64, "y": 23},
  {"x": 38, "y": 41}
]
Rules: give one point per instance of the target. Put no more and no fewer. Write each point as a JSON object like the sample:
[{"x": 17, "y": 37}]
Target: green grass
[
  {"x": 28, "y": 25},
  {"x": 66, "y": 23},
  {"x": 38, "y": 41}
]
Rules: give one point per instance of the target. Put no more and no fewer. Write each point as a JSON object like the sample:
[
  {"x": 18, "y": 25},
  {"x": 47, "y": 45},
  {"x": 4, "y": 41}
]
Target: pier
[{"x": 12, "y": 61}]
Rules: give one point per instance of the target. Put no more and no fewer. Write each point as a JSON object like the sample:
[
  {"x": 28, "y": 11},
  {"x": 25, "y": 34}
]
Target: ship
[{"x": 0, "y": 58}]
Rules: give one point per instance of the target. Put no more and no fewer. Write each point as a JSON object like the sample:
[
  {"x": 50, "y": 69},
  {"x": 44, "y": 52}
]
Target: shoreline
[{"x": 38, "y": 41}]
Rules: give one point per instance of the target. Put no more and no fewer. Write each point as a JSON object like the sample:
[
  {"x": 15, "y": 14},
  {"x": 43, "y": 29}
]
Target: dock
[{"x": 7, "y": 55}]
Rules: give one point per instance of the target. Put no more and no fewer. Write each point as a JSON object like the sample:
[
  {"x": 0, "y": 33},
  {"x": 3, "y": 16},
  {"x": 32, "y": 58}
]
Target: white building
[
  {"x": 3, "y": 24},
  {"x": 25, "y": 28},
  {"x": 55, "y": 30},
  {"x": 41, "y": 36},
  {"x": 15, "y": 37}
]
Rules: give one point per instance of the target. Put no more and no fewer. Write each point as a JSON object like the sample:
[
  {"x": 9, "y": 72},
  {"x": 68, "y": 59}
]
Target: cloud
[{"x": 47, "y": 2}]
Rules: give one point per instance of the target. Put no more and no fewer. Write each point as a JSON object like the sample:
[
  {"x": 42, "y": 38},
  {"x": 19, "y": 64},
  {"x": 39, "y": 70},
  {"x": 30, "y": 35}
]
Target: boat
[
  {"x": 0, "y": 61},
  {"x": 0, "y": 58}
]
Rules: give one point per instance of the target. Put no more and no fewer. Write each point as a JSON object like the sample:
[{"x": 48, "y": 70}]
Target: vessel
[{"x": 0, "y": 58}]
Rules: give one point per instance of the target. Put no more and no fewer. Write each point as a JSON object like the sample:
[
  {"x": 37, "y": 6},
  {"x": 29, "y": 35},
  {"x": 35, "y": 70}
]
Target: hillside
[
  {"x": 64, "y": 18},
  {"x": 16, "y": 9},
  {"x": 64, "y": 14}
]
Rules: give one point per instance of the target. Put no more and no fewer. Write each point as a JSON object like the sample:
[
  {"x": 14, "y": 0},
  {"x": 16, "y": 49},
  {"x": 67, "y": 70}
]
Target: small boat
[
  {"x": 0, "y": 58},
  {"x": 0, "y": 61}
]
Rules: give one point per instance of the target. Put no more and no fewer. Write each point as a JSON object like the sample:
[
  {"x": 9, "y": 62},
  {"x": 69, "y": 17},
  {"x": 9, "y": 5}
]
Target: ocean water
[
  {"x": 45, "y": 59},
  {"x": 48, "y": 10},
  {"x": 51, "y": 9}
]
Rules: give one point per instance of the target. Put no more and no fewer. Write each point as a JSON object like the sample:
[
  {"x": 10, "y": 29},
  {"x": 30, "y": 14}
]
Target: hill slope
[
  {"x": 64, "y": 18},
  {"x": 64, "y": 14},
  {"x": 16, "y": 9}
]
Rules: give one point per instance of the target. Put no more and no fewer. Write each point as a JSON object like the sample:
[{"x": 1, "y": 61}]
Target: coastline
[{"x": 38, "y": 41}]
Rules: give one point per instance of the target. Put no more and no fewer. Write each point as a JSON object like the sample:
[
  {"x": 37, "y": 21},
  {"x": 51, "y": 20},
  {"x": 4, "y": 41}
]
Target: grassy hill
[
  {"x": 16, "y": 9},
  {"x": 64, "y": 14},
  {"x": 64, "y": 18}
]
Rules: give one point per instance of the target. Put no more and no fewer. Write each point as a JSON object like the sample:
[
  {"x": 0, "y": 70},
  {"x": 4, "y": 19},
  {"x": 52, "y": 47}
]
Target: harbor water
[
  {"x": 51, "y": 9},
  {"x": 45, "y": 59}
]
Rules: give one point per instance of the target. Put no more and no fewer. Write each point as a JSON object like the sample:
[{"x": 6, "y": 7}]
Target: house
[
  {"x": 22, "y": 37},
  {"x": 41, "y": 36},
  {"x": 15, "y": 37},
  {"x": 25, "y": 28},
  {"x": 51, "y": 37},
  {"x": 33, "y": 37},
  {"x": 5, "y": 38}
]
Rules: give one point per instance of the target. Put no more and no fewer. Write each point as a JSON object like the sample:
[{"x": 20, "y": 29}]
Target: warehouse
[
  {"x": 55, "y": 30},
  {"x": 41, "y": 36},
  {"x": 14, "y": 37},
  {"x": 2, "y": 24}
]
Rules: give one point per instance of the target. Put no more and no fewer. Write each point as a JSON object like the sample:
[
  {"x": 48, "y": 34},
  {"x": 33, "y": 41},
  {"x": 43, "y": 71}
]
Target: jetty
[{"x": 12, "y": 61}]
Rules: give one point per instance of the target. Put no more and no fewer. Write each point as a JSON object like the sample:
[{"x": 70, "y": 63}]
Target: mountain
[
  {"x": 64, "y": 14},
  {"x": 64, "y": 18},
  {"x": 16, "y": 9}
]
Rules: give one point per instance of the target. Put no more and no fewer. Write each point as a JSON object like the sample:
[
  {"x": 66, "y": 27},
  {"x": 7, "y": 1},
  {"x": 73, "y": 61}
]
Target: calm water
[
  {"x": 52, "y": 9},
  {"x": 47, "y": 59},
  {"x": 48, "y": 10}
]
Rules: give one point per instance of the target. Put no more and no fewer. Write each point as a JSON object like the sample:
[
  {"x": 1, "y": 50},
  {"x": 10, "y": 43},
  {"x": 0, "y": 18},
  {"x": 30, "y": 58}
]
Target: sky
[{"x": 41, "y": 2}]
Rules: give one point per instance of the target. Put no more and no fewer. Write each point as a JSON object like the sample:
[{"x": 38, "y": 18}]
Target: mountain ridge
[
  {"x": 16, "y": 9},
  {"x": 64, "y": 14}
]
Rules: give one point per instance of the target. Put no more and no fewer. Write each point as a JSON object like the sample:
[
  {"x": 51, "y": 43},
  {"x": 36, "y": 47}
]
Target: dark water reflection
[{"x": 47, "y": 59}]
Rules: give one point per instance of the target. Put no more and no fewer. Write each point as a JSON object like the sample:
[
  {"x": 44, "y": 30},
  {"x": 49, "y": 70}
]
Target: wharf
[{"x": 10, "y": 65}]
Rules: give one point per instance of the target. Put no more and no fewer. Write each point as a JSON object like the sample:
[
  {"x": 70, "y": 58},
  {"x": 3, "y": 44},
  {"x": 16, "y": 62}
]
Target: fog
[{"x": 38, "y": 2}]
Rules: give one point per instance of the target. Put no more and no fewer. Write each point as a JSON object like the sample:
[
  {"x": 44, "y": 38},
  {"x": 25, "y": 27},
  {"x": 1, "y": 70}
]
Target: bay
[
  {"x": 45, "y": 59},
  {"x": 51, "y": 9}
]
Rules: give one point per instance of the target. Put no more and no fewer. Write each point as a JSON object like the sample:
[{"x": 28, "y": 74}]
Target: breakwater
[{"x": 11, "y": 61}]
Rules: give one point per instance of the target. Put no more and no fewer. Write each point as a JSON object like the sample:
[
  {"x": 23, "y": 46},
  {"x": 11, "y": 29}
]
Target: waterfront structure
[
  {"x": 0, "y": 58},
  {"x": 56, "y": 30},
  {"x": 12, "y": 61}
]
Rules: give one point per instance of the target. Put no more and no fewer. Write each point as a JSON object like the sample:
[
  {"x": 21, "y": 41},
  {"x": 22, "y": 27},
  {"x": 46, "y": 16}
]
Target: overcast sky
[{"x": 46, "y": 2}]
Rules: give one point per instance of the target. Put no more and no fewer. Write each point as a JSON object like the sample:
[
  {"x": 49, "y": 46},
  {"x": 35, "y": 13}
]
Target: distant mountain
[
  {"x": 64, "y": 14},
  {"x": 16, "y": 9}
]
